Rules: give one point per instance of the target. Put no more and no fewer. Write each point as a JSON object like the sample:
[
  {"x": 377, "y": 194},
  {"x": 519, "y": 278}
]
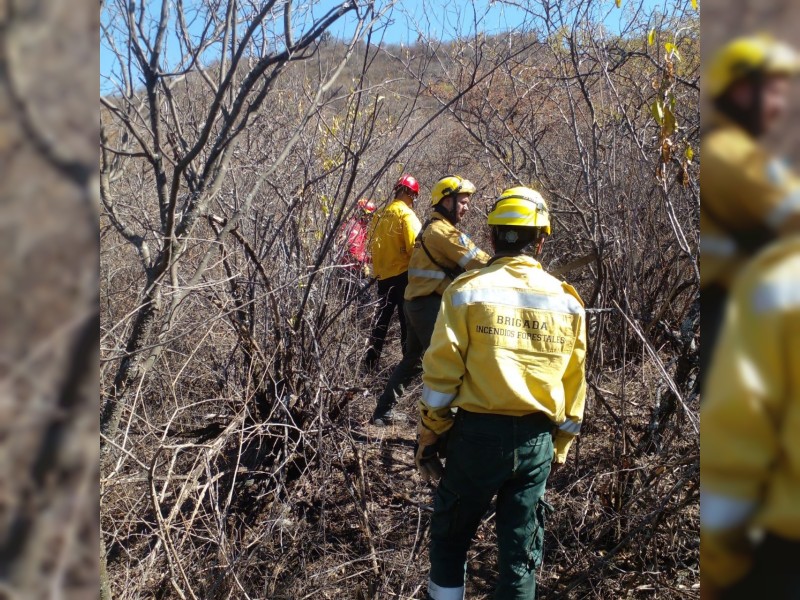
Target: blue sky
[
  {"x": 454, "y": 17},
  {"x": 441, "y": 19}
]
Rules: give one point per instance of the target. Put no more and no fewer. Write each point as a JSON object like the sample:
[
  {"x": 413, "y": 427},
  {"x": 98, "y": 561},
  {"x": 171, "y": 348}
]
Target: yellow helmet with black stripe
[
  {"x": 745, "y": 56},
  {"x": 451, "y": 185}
]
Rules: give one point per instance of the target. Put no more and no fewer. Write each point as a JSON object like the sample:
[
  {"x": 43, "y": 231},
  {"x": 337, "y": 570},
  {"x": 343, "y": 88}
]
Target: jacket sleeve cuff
[
  {"x": 436, "y": 400},
  {"x": 723, "y": 512},
  {"x": 437, "y": 421}
]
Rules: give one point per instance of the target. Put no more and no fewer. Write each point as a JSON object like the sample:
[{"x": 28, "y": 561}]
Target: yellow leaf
[
  {"x": 672, "y": 50},
  {"x": 694, "y": 4},
  {"x": 651, "y": 37},
  {"x": 689, "y": 153},
  {"x": 669, "y": 124},
  {"x": 619, "y": 2},
  {"x": 657, "y": 110}
]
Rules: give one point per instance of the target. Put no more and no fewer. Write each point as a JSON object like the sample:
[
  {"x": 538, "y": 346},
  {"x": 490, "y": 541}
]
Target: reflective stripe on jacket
[
  {"x": 748, "y": 197},
  {"x": 391, "y": 237},
  {"x": 750, "y": 451},
  {"x": 509, "y": 339},
  {"x": 450, "y": 248}
]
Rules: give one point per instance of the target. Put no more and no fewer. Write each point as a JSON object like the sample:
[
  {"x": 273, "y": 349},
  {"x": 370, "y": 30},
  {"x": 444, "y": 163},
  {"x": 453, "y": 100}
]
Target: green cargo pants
[
  {"x": 421, "y": 316},
  {"x": 488, "y": 455},
  {"x": 774, "y": 574}
]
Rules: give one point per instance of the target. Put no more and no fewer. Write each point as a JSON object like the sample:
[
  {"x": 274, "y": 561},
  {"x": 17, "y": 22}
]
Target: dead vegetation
[
  {"x": 49, "y": 319},
  {"x": 237, "y": 458}
]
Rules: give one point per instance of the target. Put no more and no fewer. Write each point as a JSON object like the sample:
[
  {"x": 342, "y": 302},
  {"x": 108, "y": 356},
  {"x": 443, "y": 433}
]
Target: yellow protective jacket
[
  {"x": 509, "y": 339},
  {"x": 391, "y": 239},
  {"x": 747, "y": 197},
  {"x": 750, "y": 416},
  {"x": 450, "y": 248}
]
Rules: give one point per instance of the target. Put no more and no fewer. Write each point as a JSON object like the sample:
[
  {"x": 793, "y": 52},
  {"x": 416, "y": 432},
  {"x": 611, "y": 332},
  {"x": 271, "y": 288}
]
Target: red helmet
[
  {"x": 407, "y": 181},
  {"x": 367, "y": 205}
]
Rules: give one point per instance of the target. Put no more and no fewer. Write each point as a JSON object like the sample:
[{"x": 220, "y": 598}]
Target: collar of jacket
[
  {"x": 719, "y": 120},
  {"x": 400, "y": 202},
  {"x": 397, "y": 206},
  {"x": 516, "y": 259},
  {"x": 443, "y": 217},
  {"x": 440, "y": 217}
]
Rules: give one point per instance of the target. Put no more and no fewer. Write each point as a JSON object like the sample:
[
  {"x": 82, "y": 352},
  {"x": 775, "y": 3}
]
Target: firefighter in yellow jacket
[
  {"x": 441, "y": 253},
  {"x": 508, "y": 352},
  {"x": 748, "y": 196},
  {"x": 750, "y": 447},
  {"x": 392, "y": 234}
]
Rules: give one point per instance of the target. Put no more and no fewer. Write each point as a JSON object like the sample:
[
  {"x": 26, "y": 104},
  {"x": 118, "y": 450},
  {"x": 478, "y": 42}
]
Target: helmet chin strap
[
  {"x": 537, "y": 251},
  {"x": 748, "y": 118},
  {"x": 449, "y": 214}
]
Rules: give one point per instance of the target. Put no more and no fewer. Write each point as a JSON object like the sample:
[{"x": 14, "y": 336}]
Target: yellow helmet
[
  {"x": 450, "y": 186},
  {"x": 747, "y": 55},
  {"x": 521, "y": 207}
]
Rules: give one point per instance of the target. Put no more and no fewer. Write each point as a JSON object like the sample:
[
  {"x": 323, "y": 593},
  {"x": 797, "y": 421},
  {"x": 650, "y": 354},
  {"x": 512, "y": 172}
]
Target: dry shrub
[{"x": 238, "y": 461}]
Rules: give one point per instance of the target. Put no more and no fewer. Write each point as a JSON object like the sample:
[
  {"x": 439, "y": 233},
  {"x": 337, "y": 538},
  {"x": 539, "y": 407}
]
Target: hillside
[{"x": 238, "y": 461}]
